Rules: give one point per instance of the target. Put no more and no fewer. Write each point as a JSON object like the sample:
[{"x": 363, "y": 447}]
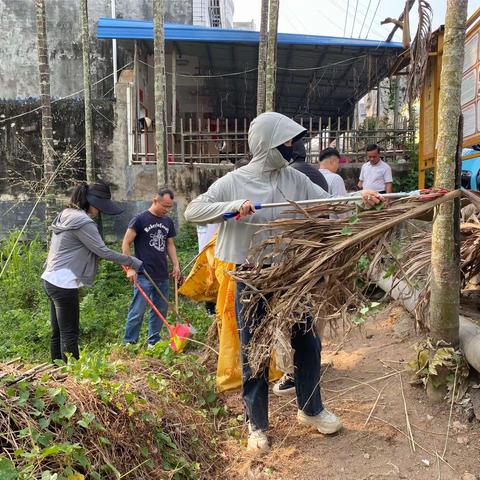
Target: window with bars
[{"x": 214, "y": 11}]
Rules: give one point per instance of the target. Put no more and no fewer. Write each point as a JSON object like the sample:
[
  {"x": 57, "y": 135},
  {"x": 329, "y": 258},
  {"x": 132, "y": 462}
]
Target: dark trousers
[
  {"x": 65, "y": 321},
  {"x": 306, "y": 359}
]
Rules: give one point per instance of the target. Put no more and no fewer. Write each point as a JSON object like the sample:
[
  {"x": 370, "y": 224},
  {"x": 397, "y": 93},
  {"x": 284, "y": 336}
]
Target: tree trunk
[
  {"x": 47, "y": 134},
  {"x": 160, "y": 98},
  {"x": 262, "y": 58},
  {"x": 87, "y": 94},
  {"x": 271, "y": 55},
  {"x": 445, "y": 285}
]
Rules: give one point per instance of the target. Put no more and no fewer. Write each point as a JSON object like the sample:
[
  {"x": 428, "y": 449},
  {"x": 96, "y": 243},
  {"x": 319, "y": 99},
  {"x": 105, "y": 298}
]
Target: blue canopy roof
[
  {"x": 143, "y": 30},
  {"x": 316, "y": 75}
]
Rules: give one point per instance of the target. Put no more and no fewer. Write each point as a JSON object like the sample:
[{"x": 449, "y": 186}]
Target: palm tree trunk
[
  {"x": 45, "y": 100},
  {"x": 87, "y": 94},
  {"x": 262, "y": 58},
  {"x": 445, "y": 284},
  {"x": 271, "y": 55},
  {"x": 160, "y": 97}
]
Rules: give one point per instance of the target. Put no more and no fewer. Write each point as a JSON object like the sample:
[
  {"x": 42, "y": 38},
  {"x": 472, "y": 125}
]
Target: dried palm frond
[
  {"x": 420, "y": 50},
  {"x": 318, "y": 271},
  {"x": 413, "y": 264}
]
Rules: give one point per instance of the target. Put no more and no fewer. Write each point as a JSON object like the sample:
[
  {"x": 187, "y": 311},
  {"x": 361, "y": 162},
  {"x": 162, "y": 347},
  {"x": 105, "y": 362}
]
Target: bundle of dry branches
[
  {"x": 412, "y": 264},
  {"x": 318, "y": 271}
]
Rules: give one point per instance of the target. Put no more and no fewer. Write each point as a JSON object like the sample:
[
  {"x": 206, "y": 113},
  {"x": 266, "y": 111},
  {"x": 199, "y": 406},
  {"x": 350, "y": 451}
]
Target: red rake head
[{"x": 179, "y": 336}]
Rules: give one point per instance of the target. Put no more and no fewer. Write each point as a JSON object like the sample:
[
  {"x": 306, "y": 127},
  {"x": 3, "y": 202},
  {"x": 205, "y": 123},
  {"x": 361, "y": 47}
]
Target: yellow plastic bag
[
  {"x": 209, "y": 281},
  {"x": 229, "y": 371},
  {"x": 201, "y": 284}
]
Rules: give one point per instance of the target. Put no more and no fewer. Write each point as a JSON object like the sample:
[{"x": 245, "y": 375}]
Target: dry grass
[{"x": 149, "y": 418}]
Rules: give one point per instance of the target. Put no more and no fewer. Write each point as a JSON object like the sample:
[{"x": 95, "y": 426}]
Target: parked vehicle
[{"x": 471, "y": 168}]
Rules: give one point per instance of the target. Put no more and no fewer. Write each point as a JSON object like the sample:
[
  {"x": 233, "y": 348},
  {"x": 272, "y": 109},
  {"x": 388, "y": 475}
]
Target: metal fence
[{"x": 214, "y": 141}]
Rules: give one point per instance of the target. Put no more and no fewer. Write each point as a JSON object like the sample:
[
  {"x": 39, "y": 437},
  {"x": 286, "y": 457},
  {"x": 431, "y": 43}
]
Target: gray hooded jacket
[
  {"x": 266, "y": 179},
  {"x": 77, "y": 245}
]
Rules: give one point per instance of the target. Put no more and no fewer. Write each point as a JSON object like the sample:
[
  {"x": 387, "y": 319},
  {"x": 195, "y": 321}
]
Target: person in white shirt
[
  {"x": 329, "y": 161},
  {"x": 375, "y": 174}
]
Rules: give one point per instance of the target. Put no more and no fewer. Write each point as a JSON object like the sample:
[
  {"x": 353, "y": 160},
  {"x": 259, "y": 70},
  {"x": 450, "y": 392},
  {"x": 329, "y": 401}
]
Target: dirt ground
[{"x": 366, "y": 376}]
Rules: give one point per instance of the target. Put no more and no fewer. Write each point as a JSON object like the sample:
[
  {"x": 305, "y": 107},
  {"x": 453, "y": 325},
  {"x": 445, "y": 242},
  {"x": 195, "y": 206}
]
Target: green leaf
[
  {"x": 353, "y": 220},
  {"x": 38, "y": 404},
  {"x": 375, "y": 304},
  {"x": 68, "y": 411},
  {"x": 346, "y": 231},
  {"x": 390, "y": 271},
  {"x": 52, "y": 450},
  {"x": 113, "y": 470},
  {"x": 48, "y": 475},
  {"x": 356, "y": 320},
  {"x": 211, "y": 397},
  {"x": 364, "y": 310},
  {"x": 44, "y": 422},
  {"x": 57, "y": 395},
  {"x": 379, "y": 206},
  {"x": 45, "y": 439},
  {"x": 104, "y": 440},
  {"x": 8, "y": 470},
  {"x": 86, "y": 420}
]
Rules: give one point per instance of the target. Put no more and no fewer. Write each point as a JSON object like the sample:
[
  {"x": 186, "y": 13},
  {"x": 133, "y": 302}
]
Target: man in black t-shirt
[{"x": 152, "y": 233}]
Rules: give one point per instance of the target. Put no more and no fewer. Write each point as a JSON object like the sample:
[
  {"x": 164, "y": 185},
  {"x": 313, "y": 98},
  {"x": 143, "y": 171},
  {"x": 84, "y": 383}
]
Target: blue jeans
[
  {"x": 306, "y": 360},
  {"x": 137, "y": 309}
]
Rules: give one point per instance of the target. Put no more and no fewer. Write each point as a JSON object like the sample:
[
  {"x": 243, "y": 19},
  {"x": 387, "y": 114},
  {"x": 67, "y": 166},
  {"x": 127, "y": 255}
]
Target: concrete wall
[
  {"x": 18, "y": 53},
  {"x": 186, "y": 181}
]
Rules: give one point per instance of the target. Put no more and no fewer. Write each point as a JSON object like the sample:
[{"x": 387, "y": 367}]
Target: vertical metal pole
[
  {"x": 114, "y": 51},
  {"x": 182, "y": 141},
  {"x": 137, "y": 101}
]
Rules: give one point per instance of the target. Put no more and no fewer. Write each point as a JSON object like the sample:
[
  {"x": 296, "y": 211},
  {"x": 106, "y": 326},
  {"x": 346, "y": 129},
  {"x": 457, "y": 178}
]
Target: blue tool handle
[{"x": 229, "y": 215}]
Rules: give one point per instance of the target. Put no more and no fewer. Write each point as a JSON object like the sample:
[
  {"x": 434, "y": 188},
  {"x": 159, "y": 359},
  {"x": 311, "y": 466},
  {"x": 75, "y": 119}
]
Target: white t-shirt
[
  {"x": 205, "y": 234},
  {"x": 336, "y": 185},
  {"x": 374, "y": 177},
  {"x": 63, "y": 278}
]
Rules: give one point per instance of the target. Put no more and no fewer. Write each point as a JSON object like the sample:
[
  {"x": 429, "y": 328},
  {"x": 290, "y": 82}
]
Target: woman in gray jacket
[{"x": 75, "y": 248}]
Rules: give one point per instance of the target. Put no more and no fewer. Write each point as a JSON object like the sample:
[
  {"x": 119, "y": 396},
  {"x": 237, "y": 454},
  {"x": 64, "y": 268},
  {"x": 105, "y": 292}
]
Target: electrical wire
[
  {"x": 364, "y": 18},
  {"x": 346, "y": 17},
  {"x": 242, "y": 72},
  {"x": 354, "y": 18},
  {"x": 323, "y": 66},
  {"x": 373, "y": 18}
]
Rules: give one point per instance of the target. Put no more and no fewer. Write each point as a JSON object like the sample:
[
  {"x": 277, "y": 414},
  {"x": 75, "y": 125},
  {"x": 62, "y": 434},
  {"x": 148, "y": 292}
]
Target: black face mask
[{"x": 287, "y": 152}]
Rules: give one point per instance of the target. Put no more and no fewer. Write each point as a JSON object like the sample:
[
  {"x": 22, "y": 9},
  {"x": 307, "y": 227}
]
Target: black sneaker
[{"x": 285, "y": 386}]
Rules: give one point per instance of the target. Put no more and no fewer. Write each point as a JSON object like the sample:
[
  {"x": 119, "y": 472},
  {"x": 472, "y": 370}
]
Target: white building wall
[{"x": 200, "y": 13}]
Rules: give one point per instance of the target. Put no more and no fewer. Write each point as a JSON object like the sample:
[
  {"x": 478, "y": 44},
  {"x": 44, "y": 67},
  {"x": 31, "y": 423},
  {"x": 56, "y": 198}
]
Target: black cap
[{"x": 99, "y": 196}]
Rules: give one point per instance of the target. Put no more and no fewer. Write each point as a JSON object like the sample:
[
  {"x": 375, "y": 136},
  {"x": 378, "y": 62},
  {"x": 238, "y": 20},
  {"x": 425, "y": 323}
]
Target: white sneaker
[
  {"x": 257, "y": 441},
  {"x": 285, "y": 387},
  {"x": 325, "y": 422}
]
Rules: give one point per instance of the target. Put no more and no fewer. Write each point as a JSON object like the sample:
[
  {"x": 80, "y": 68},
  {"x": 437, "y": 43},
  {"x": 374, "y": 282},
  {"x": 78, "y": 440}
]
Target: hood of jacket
[
  {"x": 266, "y": 132},
  {"x": 70, "y": 219}
]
